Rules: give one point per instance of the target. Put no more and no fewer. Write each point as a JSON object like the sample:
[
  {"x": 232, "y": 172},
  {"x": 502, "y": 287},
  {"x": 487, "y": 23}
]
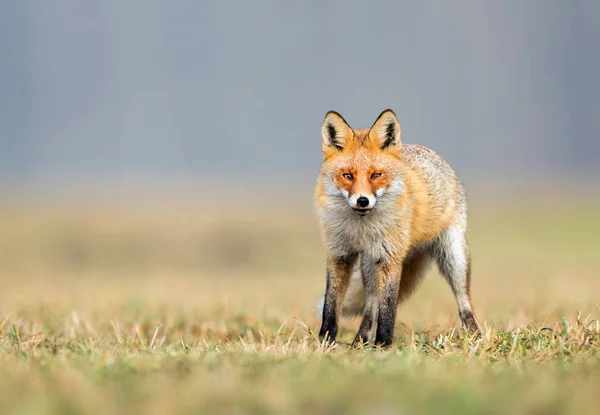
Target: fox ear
[
  {"x": 386, "y": 131},
  {"x": 335, "y": 131}
]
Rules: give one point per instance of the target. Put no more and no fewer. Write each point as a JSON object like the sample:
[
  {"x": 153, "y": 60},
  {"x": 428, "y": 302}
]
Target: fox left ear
[
  {"x": 335, "y": 132},
  {"x": 386, "y": 131}
]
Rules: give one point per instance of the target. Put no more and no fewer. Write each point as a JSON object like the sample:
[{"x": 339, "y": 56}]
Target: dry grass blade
[
  {"x": 158, "y": 327},
  {"x": 4, "y": 321}
]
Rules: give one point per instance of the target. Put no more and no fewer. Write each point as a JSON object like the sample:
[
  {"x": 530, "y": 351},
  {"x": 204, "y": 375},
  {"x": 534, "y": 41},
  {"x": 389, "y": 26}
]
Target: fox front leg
[
  {"x": 389, "y": 272},
  {"x": 339, "y": 269},
  {"x": 369, "y": 320}
]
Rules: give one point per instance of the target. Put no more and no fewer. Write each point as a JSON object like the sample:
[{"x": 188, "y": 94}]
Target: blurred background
[{"x": 178, "y": 143}]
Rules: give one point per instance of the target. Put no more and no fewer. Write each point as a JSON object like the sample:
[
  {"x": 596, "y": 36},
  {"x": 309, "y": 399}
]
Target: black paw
[
  {"x": 468, "y": 321},
  {"x": 328, "y": 335},
  {"x": 360, "y": 340},
  {"x": 384, "y": 342}
]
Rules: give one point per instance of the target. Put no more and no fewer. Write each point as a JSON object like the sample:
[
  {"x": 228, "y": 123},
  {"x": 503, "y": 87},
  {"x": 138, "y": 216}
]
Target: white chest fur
[{"x": 347, "y": 232}]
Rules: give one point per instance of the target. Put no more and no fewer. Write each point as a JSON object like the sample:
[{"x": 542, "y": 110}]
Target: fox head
[{"x": 361, "y": 168}]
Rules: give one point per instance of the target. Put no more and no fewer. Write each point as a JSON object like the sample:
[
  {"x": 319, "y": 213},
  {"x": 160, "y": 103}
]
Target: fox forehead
[
  {"x": 360, "y": 160},
  {"x": 356, "y": 140}
]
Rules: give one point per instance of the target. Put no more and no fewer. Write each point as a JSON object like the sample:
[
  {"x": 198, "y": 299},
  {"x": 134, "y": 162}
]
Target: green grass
[
  {"x": 231, "y": 364},
  {"x": 127, "y": 312}
]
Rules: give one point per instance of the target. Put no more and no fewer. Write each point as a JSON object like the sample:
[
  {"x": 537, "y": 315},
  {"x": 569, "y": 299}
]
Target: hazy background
[
  {"x": 156, "y": 93},
  {"x": 157, "y": 165},
  {"x": 137, "y": 119}
]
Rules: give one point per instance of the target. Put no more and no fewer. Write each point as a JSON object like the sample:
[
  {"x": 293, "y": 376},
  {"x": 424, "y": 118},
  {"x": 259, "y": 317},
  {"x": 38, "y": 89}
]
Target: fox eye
[
  {"x": 375, "y": 176},
  {"x": 348, "y": 176}
]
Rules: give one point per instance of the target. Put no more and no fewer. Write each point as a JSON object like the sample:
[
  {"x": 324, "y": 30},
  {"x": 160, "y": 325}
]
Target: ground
[{"x": 163, "y": 308}]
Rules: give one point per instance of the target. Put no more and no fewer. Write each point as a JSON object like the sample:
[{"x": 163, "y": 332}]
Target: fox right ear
[
  {"x": 335, "y": 132},
  {"x": 386, "y": 131}
]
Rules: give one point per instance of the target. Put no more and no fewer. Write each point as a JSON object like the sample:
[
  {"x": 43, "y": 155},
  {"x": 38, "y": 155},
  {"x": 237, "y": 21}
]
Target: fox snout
[{"x": 361, "y": 203}]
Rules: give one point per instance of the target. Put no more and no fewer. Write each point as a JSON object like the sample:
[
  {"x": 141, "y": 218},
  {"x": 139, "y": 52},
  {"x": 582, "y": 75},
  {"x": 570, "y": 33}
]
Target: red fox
[{"x": 386, "y": 211}]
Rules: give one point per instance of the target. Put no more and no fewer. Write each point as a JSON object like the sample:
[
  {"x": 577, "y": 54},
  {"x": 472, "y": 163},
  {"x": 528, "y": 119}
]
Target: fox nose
[{"x": 362, "y": 202}]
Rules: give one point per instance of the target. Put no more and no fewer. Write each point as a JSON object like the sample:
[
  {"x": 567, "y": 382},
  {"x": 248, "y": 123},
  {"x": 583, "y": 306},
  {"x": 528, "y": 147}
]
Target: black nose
[{"x": 362, "y": 201}]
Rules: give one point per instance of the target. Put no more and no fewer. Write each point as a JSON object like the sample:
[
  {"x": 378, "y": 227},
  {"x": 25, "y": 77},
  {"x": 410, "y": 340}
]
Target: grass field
[{"x": 170, "y": 308}]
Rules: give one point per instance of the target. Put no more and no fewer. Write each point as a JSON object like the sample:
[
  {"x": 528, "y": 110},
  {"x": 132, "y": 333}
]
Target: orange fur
[{"x": 414, "y": 198}]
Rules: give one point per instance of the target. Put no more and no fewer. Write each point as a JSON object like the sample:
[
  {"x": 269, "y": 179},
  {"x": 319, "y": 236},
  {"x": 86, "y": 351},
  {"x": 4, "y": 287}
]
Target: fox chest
[{"x": 358, "y": 235}]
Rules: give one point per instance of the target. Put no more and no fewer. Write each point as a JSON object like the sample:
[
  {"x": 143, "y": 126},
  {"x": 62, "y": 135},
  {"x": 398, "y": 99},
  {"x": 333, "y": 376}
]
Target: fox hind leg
[{"x": 451, "y": 253}]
